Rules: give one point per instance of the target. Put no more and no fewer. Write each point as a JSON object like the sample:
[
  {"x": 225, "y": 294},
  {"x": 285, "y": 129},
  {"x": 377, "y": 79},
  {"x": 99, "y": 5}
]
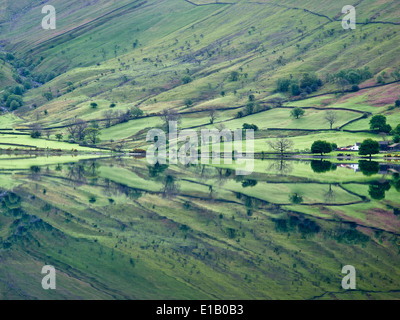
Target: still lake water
[{"x": 118, "y": 228}]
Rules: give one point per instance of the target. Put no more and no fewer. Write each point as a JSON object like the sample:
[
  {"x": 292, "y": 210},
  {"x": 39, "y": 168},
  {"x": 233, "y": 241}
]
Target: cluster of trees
[
  {"x": 297, "y": 224},
  {"x": 396, "y": 74},
  {"x": 251, "y": 107},
  {"x": 235, "y": 76},
  {"x": 116, "y": 117},
  {"x": 367, "y": 148},
  {"x": 396, "y": 133},
  {"x": 81, "y": 130},
  {"x": 247, "y": 126},
  {"x": 36, "y": 131},
  {"x": 378, "y": 123},
  {"x": 12, "y": 97},
  {"x": 307, "y": 84},
  {"x": 348, "y": 77},
  {"x": 44, "y": 77},
  {"x": 25, "y": 78},
  {"x": 186, "y": 79},
  {"x": 397, "y": 103},
  {"x": 377, "y": 190},
  {"x": 26, "y": 68}
]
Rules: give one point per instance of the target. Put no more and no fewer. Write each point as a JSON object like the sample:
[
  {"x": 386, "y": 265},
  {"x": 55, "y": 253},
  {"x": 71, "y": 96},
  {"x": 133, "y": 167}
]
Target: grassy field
[
  {"x": 280, "y": 118},
  {"x": 7, "y": 121},
  {"x": 393, "y": 118},
  {"x": 303, "y": 142},
  {"x": 26, "y": 142},
  {"x": 129, "y": 129}
]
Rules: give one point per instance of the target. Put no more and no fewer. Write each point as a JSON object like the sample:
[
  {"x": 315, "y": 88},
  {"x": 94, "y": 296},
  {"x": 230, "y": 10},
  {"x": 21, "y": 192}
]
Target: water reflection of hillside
[{"x": 290, "y": 229}]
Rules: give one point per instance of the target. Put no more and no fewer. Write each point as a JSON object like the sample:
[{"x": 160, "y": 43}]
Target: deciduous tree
[
  {"x": 92, "y": 134},
  {"x": 108, "y": 116},
  {"x": 281, "y": 145},
  {"x": 212, "y": 114},
  {"x": 369, "y": 147},
  {"x": 168, "y": 115},
  {"x": 378, "y": 123},
  {"x": 297, "y": 112},
  {"x": 331, "y": 117},
  {"x": 321, "y": 147}
]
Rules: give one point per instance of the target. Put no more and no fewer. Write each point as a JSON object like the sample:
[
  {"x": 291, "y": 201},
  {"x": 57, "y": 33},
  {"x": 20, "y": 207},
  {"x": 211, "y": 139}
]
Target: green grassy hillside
[
  {"x": 215, "y": 55},
  {"x": 119, "y": 228}
]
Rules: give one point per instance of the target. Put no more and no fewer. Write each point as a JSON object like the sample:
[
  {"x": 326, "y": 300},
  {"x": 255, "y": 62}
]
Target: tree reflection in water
[{"x": 281, "y": 167}]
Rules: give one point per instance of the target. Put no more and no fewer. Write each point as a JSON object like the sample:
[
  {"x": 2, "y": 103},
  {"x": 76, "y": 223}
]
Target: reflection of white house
[
  {"x": 356, "y": 147},
  {"x": 353, "y": 166}
]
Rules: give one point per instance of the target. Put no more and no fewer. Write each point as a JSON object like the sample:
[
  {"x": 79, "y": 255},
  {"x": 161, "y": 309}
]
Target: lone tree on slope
[
  {"x": 212, "y": 114},
  {"x": 168, "y": 115},
  {"x": 297, "y": 112},
  {"x": 331, "y": 117}
]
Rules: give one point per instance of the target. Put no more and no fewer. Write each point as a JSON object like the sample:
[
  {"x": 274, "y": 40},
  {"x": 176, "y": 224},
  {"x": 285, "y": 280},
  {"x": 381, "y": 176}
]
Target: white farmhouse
[{"x": 356, "y": 147}]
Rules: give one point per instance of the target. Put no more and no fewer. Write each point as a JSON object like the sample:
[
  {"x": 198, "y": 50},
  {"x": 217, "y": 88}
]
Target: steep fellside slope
[{"x": 174, "y": 54}]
